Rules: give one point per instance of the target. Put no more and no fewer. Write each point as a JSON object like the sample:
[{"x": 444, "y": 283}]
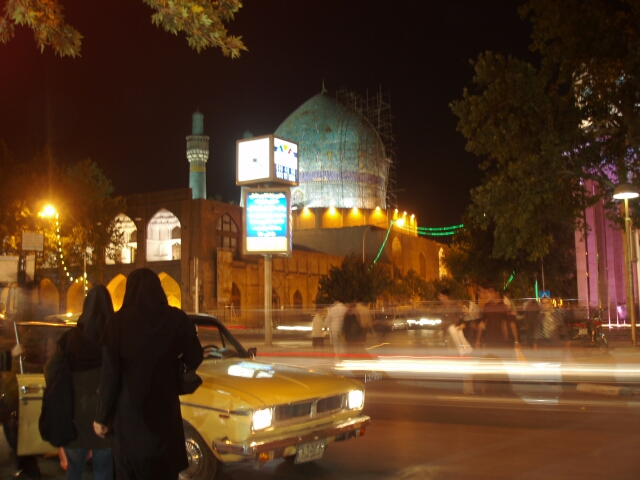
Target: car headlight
[
  {"x": 355, "y": 399},
  {"x": 261, "y": 419}
]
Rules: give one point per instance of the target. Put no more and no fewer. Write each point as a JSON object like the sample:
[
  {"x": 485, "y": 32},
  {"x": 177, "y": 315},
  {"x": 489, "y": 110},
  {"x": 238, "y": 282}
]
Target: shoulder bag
[{"x": 188, "y": 380}]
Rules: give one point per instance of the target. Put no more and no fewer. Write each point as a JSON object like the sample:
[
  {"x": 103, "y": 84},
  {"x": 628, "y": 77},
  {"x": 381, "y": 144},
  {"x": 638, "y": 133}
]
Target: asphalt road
[
  {"x": 419, "y": 433},
  {"x": 426, "y": 429}
]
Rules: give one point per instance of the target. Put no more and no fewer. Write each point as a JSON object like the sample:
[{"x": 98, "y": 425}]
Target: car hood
[{"x": 272, "y": 384}]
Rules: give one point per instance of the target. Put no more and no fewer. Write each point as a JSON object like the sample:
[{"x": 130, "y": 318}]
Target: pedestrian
[
  {"x": 317, "y": 330},
  {"x": 551, "y": 329},
  {"x": 450, "y": 314},
  {"x": 334, "y": 321},
  {"x": 365, "y": 320},
  {"x": 84, "y": 355},
  {"x": 351, "y": 329},
  {"x": 139, "y": 392},
  {"x": 497, "y": 326}
]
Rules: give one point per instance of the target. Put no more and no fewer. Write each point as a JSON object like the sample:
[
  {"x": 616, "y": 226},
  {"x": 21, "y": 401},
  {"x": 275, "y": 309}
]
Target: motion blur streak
[{"x": 516, "y": 370}]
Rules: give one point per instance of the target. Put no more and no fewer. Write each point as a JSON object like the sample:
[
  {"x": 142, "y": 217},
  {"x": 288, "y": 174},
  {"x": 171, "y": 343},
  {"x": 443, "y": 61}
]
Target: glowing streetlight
[
  {"x": 624, "y": 192},
  {"x": 48, "y": 211}
]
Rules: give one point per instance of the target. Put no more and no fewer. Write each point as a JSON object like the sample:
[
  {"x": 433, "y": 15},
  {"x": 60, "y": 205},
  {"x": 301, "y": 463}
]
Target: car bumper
[{"x": 341, "y": 430}]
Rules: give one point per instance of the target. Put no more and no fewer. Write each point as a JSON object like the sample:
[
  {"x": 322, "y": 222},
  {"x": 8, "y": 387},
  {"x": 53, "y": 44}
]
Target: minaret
[{"x": 198, "y": 154}]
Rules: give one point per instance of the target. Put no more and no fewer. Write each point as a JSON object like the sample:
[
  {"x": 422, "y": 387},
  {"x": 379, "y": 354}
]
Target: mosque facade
[{"x": 341, "y": 206}]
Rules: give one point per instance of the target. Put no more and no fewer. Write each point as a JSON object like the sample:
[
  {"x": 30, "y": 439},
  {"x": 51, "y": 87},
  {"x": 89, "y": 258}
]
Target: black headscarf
[
  {"x": 81, "y": 344},
  {"x": 95, "y": 313},
  {"x": 144, "y": 292}
]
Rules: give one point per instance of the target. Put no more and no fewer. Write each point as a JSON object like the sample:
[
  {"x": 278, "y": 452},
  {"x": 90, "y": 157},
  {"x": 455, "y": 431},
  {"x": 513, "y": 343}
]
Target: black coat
[
  {"x": 84, "y": 355},
  {"x": 85, "y": 388},
  {"x": 139, "y": 390}
]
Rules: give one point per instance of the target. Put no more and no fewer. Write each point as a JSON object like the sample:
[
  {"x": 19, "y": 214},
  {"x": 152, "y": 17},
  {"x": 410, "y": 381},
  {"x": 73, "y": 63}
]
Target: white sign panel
[
  {"x": 267, "y": 225},
  {"x": 254, "y": 159},
  {"x": 32, "y": 242},
  {"x": 266, "y": 159}
]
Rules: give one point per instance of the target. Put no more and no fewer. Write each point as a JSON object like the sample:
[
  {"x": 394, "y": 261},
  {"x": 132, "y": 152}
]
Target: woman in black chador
[
  {"x": 139, "y": 402},
  {"x": 85, "y": 360}
]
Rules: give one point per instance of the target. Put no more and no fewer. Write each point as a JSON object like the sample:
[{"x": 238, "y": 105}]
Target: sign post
[{"x": 268, "y": 166}]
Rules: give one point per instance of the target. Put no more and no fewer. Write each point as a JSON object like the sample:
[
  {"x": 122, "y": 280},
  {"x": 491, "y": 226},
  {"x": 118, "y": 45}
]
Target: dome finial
[{"x": 324, "y": 90}]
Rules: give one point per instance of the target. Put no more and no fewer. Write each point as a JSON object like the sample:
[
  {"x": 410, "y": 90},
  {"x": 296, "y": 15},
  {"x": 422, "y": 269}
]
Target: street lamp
[{"x": 624, "y": 192}]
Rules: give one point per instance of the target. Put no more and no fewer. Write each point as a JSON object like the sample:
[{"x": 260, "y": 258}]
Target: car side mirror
[
  {"x": 5, "y": 361},
  {"x": 253, "y": 351}
]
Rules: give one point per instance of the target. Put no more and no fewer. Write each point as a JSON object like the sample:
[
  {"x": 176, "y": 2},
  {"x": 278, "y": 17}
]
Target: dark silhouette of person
[
  {"x": 84, "y": 355},
  {"x": 139, "y": 391}
]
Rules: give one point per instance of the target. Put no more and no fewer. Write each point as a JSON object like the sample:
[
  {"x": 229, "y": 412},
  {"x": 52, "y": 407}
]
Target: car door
[
  {"x": 30, "y": 391},
  {"x": 39, "y": 341}
]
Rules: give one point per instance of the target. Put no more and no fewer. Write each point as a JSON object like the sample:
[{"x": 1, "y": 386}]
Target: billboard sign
[
  {"x": 267, "y": 222},
  {"x": 266, "y": 159}
]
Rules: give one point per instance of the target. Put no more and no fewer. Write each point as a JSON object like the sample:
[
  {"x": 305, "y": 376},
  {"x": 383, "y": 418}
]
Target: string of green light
[
  {"x": 437, "y": 234},
  {"x": 440, "y": 229},
  {"x": 383, "y": 243}
]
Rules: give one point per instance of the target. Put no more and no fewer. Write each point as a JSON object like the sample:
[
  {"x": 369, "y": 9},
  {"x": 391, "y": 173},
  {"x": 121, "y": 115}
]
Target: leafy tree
[
  {"x": 541, "y": 130},
  {"x": 470, "y": 260},
  {"x": 82, "y": 196},
  {"x": 354, "y": 281},
  {"x": 202, "y": 21}
]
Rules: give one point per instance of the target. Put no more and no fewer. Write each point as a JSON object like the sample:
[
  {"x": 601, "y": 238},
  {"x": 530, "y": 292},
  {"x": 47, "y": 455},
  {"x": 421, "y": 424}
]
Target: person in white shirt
[
  {"x": 317, "y": 333},
  {"x": 334, "y": 321}
]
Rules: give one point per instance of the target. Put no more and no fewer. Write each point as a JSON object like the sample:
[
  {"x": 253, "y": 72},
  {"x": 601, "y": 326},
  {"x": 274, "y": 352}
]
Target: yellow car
[{"x": 244, "y": 411}]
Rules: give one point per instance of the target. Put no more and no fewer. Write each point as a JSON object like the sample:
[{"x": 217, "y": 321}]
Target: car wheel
[{"x": 203, "y": 464}]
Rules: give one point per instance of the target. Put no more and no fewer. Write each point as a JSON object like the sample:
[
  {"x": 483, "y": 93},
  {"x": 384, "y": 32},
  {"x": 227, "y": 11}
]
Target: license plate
[
  {"x": 582, "y": 331},
  {"x": 310, "y": 451}
]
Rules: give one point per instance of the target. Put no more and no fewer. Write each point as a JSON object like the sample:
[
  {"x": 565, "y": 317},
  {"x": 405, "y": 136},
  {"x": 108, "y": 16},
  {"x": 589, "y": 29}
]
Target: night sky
[{"x": 127, "y": 102}]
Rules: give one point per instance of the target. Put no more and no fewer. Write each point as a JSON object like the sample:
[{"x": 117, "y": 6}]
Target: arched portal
[
  {"x": 116, "y": 288},
  {"x": 236, "y": 298},
  {"x": 163, "y": 237},
  {"x": 423, "y": 266},
  {"x": 76, "y": 295},
  {"x": 126, "y": 251},
  {"x": 228, "y": 234},
  {"x": 297, "y": 299},
  {"x": 396, "y": 255},
  {"x": 49, "y": 297},
  {"x": 171, "y": 289}
]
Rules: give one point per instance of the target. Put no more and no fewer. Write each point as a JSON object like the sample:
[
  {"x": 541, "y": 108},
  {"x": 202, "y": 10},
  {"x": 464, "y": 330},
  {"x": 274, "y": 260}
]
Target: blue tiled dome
[{"x": 342, "y": 159}]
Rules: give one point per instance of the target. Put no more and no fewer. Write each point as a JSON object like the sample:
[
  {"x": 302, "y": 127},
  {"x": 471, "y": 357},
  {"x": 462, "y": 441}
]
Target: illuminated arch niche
[
  {"x": 126, "y": 253},
  {"x": 76, "y": 295},
  {"x": 49, "y": 296},
  {"x": 171, "y": 289},
  {"x": 116, "y": 288},
  {"x": 163, "y": 237}
]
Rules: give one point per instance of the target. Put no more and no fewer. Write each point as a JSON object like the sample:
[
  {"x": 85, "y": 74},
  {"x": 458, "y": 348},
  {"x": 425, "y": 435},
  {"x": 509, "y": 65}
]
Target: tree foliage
[
  {"x": 202, "y": 21},
  {"x": 541, "y": 130},
  {"x": 471, "y": 261},
  {"x": 354, "y": 281},
  {"x": 82, "y": 196}
]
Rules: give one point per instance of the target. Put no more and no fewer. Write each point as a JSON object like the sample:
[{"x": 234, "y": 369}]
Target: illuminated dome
[{"x": 342, "y": 159}]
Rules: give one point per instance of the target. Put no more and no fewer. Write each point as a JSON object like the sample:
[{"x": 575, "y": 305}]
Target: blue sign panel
[{"x": 267, "y": 227}]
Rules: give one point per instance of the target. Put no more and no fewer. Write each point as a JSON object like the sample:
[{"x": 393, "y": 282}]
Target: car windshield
[{"x": 217, "y": 340}]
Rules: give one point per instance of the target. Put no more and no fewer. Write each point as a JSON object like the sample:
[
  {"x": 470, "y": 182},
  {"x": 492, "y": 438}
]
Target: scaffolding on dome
[{"x": 376, "y": 109}]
